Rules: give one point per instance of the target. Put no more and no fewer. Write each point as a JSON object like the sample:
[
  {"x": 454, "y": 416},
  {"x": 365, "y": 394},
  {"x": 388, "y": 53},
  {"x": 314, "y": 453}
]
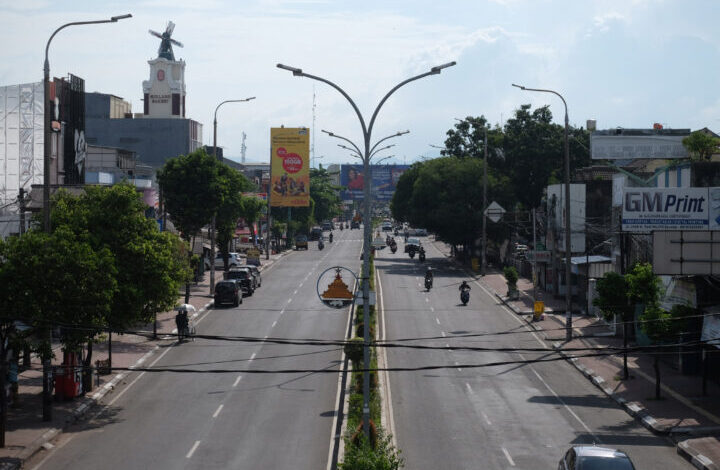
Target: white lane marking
[
  {"x": 457, "y": 364},
  {"x": 447, "y": 346},
  {"x": 290, "y": 300},
  {"x": 237, "y": 381},
  {"x": 253, "y": 356},
  {"x": 301, "y": 284},
  {"x": 192, "y": 450},
  {"x": 294, "y": 293},
  {"x": 437, "y": 321},
  {"x": 265, "y": 337},
  {"x": 391, "y": 414},
  {"x": 469, "y": 388},
  {"x": 561, "y": 401},
  {"x": 282, "y": 311},
  {"x": 507, "y": 455},
  {"x": 443, "y": 335},
  {"x": 427, "y": 300},
  {"x": 432, "y": 309},
  {"x": 217, "y": 412},
  {"x": 487, "y": 420},
  {"x": 274, "y": 323}
]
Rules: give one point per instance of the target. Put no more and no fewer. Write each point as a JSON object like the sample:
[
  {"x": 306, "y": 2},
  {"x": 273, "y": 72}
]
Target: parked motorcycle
[{"x": 465, "y": 296}]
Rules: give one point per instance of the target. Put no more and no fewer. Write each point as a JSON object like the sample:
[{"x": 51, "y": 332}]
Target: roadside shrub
[
  {"x": 359, "y": 435},
  {"x": 364, "y": 457},
  {"x": 360, "y": 330},
  {"x": 511, "y": 275},
  {"x": 354, "y": 350}
]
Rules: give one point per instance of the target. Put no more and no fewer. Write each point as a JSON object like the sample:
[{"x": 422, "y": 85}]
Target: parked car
[
  {"x": 593, "y": 457},
  {"x": 327, "y": 226},
  {"x": 245, "y": 277},
  {"x": 421, "y": 232},
  {"x": 412, "y": 242},
  {"x": 315, "y": 233},
  {"x": 255, "y": 272},
  {"x": 234, "y": 259},
  {"x": 301, "y": 241},
  {"x": 228, "y": 291}
]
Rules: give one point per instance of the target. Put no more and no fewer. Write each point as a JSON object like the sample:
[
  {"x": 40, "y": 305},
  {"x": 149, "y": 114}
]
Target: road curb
[
  {"x": 694, "y": 457},
  {"x": 87, "y": 403}
]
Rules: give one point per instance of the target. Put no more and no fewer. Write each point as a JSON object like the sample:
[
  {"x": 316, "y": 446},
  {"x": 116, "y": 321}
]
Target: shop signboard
[
  {"x": 289, "y": 168},
  {"x": 647, "y": 209}
]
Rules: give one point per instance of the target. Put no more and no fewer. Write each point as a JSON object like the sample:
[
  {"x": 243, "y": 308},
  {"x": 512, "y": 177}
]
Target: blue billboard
[{"x": 384, "y": 180}]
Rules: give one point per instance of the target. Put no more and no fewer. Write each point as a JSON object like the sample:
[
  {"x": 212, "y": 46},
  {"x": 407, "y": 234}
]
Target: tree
[
  {"x": 192, "y": 193},
  {"x": 150, "y": 265},
  {"x": 701, "y": 145},
  {"x": 231, "y": 185},
  {"x": 660, "y": 326},
  {"x": 613, "y": 300},
  {"x": 325, "y": 195}
]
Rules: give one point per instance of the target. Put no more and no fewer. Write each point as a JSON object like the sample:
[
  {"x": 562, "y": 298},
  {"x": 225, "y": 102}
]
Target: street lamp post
[
  {"x": 367, "y": 219},
  {"x": 48, "y": 119},
  {"x": 47, "y": 150},
  {"x": 212, "y": 228},
  {"x": 568, "y": 252}
]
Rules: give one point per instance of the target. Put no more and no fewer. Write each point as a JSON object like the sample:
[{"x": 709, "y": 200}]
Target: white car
[{"x": 234, "y": 259}]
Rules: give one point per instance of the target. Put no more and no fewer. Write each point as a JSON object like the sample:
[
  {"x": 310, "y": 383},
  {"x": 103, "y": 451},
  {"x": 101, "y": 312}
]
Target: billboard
[
  {"x": 648, "y": 209},
  {"x": 619, "y": 144},
  {"x": 289, "y": 168},
  {"x": 383, "y": 182},
  {"x": 686, "y": 253}
]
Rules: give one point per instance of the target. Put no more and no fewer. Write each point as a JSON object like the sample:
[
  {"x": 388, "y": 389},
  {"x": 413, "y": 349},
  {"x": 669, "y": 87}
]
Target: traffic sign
[{"x": 494, "y": 211}]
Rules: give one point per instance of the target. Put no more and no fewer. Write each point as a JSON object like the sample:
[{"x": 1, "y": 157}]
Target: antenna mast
[{"x": 243, "y": 148}]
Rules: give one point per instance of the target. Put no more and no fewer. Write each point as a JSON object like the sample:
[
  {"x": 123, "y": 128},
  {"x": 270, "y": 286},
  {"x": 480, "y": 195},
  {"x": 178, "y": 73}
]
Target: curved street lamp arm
[
  {"x": 331, "y": 134},
  {"x": 299, "y": 73},
  {"x": 384, "y": 158},
  {"x": 546, "y": 91},
  {"x": 381, "y": 149},
  {"x": 397, "y": 134},
  {"x": 433, "y": 71},
  {"x": 114, "y": 19},
  {"x": 229, "y": 101}
]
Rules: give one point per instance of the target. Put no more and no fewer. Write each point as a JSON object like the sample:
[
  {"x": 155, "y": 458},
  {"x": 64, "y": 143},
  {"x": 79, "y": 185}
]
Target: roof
[
  {"x": 590, "y": 259},
  {"x": 594, "y": 451}
]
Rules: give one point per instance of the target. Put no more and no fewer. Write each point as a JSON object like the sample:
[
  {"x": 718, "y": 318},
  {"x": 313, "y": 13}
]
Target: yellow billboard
[{"x": 289, "y": 167}]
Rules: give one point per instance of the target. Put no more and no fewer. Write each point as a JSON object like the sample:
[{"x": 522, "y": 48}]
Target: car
[
  {"x": 421, "y": 232},
  {"x": 228, "y": 291},
  {"x": 244, "y": 277},
  {"x": 255, "y": 272},
  {"x": 412, "y": 242},
  {"x": 354, "y": 224},
  {"x": 594, "y": 457},
  {"x": 387, "y": 227},
  {"x": 326, "y": 226},
  {"x": 234, "y": 259},
  {"x": 315, "y": 233},
  {"x": 301, "y": 241}
]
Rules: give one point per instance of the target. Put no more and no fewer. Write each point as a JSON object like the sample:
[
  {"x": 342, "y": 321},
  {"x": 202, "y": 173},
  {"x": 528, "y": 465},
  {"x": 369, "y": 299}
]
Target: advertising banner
[
  {"x": 384, "y": 180},
  {"x": 604, "y": 146},
  {"x": 289, "y": 167},
  {"x": 648, "y": 209}
]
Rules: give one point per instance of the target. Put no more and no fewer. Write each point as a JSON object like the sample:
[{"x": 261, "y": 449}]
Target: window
[{"x": 175, "y": 104}]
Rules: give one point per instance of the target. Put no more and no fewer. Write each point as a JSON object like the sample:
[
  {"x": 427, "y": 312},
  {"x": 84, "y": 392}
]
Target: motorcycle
[
  {"x": 393, "y": 248},
  {"x": 341, "y": 227},
  {"x": 411, "y": 253},
  {"x": 465, "y": 296},
  {"x": 330, "y": 238},
  {"x": 428, "y": 283},
  {"x": 321, "y": 245},
  {"x": 388, "y": 240},
  {"x": 421, "y": 256}
]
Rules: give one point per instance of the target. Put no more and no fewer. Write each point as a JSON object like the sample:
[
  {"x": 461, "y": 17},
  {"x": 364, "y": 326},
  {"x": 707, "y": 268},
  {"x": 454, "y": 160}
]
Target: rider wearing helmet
[
  {"x": 428, "y": 274},
  {"x": 464, "y": 286}
]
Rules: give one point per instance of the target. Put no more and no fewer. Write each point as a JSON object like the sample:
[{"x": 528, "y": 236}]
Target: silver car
[{"x": 595, "y": 458}]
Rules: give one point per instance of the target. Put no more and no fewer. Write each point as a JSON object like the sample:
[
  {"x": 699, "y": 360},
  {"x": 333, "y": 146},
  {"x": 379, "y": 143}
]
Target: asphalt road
[
  {"x": 501, "y": 417},
  {"x": 230, "y": 420}
]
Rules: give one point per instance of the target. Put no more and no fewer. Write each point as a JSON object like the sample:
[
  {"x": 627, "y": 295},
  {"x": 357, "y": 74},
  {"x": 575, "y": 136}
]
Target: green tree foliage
[
  {"x": 613, "y": 299},
  {"x": 231, "y": 184},
  {"x": 701, "y": 145},
  {"x": 643, "y": 285},
  {"x": 192, "y": 190},
  {"x": 150, "y": 265},
  {"x": 325, "y": 195}
]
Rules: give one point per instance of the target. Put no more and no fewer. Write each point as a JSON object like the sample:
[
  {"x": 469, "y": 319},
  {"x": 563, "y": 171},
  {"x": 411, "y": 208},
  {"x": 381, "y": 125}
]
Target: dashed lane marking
[
  {"x": 217, "y": 412},
  {"x": 192, "y": 450},
  {"x": 437, "y": 320},
  {"x": 507, "y": 455},
  {"x": 237, "y": 381}
]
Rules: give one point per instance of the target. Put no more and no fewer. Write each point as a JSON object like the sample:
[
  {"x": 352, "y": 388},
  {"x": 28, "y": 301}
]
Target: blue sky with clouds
[{"x": 626, "y": 63}]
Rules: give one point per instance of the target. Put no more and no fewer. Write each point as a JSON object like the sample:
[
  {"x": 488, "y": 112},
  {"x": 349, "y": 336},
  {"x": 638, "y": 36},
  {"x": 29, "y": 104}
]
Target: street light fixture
[
  {"x": 47, "y": 150},
  {"x": 568, "y": 252},
  {"x": 367, "y": 232},
  {"x": 47, "y": 133},
  {"x": 212, "y": 229}
]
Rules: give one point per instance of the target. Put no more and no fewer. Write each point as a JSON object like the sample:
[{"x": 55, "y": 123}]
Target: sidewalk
[
  {"x": 682, "y": 413},
  {"x": 27, "y": 433}
]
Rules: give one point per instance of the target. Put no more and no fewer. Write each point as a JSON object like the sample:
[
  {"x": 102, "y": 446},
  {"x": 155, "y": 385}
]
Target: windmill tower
[{"x": 164, "y": 92}]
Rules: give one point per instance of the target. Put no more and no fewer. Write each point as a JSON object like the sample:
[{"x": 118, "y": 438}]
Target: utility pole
[
  {"x": 21, "y": 203},
  {"x": 534, "y": 274},
  {"x": 484, "y": 220}
]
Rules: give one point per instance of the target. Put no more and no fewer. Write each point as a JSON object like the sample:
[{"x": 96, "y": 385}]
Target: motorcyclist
[
  {"x": 464, "y": 286},
  {"x": 429, "y": 274},
  {"x": 181, "y": 321},
  {"x": 321, "y": 245},
  {"x": 330, "y": 237}
]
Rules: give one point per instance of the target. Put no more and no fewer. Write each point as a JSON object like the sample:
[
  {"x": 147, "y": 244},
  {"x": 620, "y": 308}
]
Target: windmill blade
[
  {"x": 155, "y": 33},
  {"x": 177, "y": 43},
  {"x": 170, "y": 28}
]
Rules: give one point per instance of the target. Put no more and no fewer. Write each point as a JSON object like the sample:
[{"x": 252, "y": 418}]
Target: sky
[{"x": 627, "y": 63}]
